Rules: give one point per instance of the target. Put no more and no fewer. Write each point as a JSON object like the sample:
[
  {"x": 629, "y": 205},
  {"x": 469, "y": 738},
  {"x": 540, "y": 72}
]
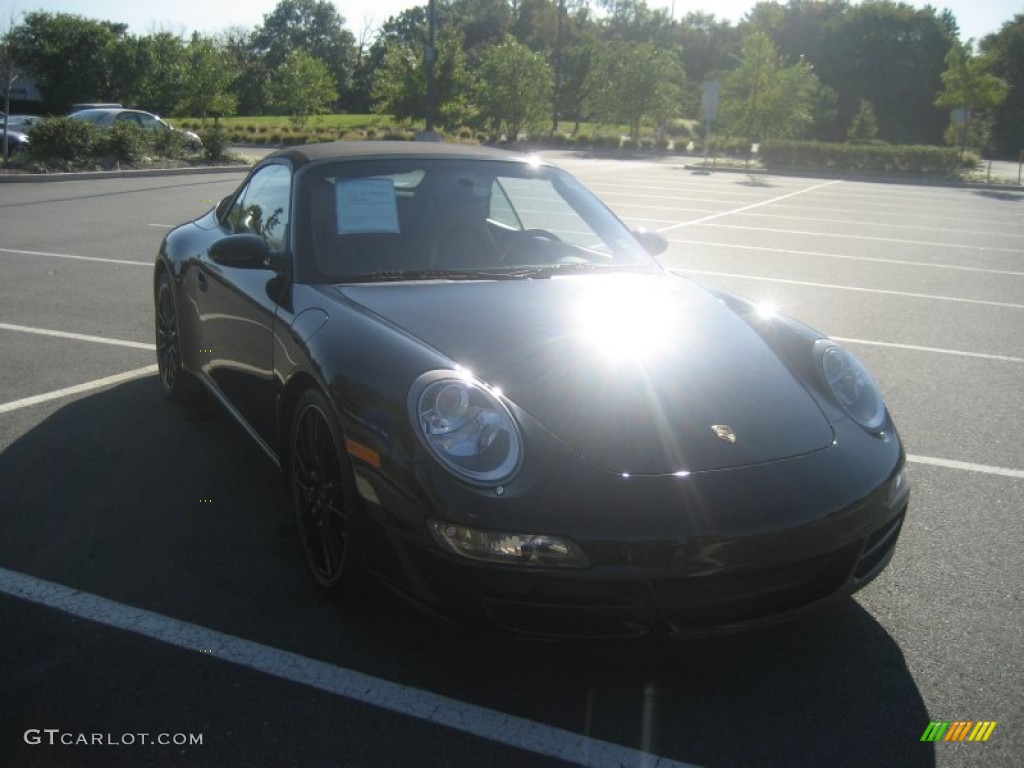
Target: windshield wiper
[
  {"x": 403, "y": 275},
  {"x": 537, "y": 271},
  {"x": 574, "y": 268}
]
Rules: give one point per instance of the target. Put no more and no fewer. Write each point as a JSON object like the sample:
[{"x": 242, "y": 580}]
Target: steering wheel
[{"x": 529, "y": 243}]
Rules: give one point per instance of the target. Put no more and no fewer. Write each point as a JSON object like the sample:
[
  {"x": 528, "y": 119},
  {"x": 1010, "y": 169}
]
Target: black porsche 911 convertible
[{"x": 486, "y": 393}]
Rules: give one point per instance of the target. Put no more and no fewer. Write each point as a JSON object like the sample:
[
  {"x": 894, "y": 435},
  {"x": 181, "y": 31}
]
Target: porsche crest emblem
[{"x": 724, "y": 432}]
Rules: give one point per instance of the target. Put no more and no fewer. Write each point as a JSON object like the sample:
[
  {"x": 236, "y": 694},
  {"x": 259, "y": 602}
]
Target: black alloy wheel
[
  {"x": 176, "y": 383},
  {"x": 322, "y": 490}
]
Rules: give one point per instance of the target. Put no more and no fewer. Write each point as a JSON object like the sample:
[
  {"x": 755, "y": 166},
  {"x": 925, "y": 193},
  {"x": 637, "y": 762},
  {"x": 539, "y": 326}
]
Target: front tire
[{"x": 323, "y": 496}]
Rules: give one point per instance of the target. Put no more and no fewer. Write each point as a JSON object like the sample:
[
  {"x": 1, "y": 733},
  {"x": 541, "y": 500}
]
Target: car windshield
[
  {"x": 422, "y": 219},
  {"x": 91, "y": 115}
]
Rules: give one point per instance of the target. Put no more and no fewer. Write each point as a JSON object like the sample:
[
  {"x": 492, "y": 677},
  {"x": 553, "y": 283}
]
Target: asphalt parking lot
[{"x": 164, "y": 539}]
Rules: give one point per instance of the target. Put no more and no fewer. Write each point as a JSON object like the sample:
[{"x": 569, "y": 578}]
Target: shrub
[
  {"x": 583, "y": 140},
  {"x": 899, "y": 159},
  {"x": 124, "y": 143},
  {"x": 677, "y": 128},
  {"x": 215, "y": 142},
  {"x": 607, "y": 142},
  {"x": 275, "y": 138},
  {"x": 171, "y": 144},
  {"x": 61, "y": 138},
  {"x": 661, "y": 145}
]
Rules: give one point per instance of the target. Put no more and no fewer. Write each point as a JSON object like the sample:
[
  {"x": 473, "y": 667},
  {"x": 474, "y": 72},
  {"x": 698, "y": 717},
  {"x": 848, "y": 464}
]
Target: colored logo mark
[{"x": 958, "y": 730}]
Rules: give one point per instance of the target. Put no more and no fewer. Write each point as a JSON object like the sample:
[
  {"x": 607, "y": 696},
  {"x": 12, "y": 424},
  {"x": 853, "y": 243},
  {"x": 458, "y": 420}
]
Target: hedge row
[
  {"x": 70, "y": 144},
  {"x": 895, "y": 159}
]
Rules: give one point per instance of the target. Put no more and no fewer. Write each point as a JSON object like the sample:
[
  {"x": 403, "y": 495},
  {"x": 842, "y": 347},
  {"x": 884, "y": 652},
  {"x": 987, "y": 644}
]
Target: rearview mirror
[
  {"x": 245, "y": 251},
  {"x": 653, "y": 242}
]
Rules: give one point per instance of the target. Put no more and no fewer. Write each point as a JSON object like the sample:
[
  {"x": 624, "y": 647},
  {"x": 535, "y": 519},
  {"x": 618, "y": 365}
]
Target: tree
[
  {"x": 313, "y": 26},
  {"x": 1004, "y": 51},
  {"x": 301, "y": 86},
  {"x": 579, "y": 57},
  {"x": 68, "y": 55},
  {"x": 163, "y": 63},
  {"x": 400, "y": 88},
  {"x": 634, "y": 81},
  {"x": 249, "y": 67},
  {"x": 864, "y": 126},
  {"x": 763, "y": 98},
  {"x": 207, "y": 80},
  {"x": 10, "y": 73},
  {"x": 515, "y": 87},
  {"x": 892, "y": 55},
  {"x": 968, "y": 85}
]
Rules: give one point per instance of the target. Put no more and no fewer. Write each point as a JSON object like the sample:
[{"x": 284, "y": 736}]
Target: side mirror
[
  {"x": 653, "y": 242},
  {"x": 246, "y": 251}
]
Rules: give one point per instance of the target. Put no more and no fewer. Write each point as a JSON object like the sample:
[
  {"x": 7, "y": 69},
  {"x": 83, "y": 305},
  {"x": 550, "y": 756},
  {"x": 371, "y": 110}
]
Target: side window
[
  {"x": 127, "y": 117},
  {"x": 264, "y": 207},
  {"x": 150, "y": 123},
  {"x": 534, "y": 203},
  {"x": 501, "y": 208}
]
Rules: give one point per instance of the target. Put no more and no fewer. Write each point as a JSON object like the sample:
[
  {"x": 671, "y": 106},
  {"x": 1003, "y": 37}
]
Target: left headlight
[
  {"x": 466, "y": 426},
  {"x": 850, "y": 384}
]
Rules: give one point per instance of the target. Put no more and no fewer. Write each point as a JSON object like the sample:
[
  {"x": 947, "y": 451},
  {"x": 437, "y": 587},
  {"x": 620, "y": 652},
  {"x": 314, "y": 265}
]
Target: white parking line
[
  {"x": 423, "y": 705},
  {"x": 902, "y": 215},
  {"x": 77, "y": 258},
  {"x": 966, "y": 465},
  {"x": 883, "y": 291},
  {"x": 789, "y": 251},
  {"x": 863, "y": 222},
  {"x": 76, "y": 336},
  {"x": 864, "y": 237},
  {"x": 750, "y": 207},
  {"x": 938, "y": 350},
  {"x": 25, "y": 402}
]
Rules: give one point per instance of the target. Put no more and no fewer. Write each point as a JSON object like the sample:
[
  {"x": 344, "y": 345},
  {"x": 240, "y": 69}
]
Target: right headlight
[
  {"x": 850, "y": 384},
  {"x": 466, "y": 427}
]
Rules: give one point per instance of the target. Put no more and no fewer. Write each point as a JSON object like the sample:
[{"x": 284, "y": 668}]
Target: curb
[
  {"x": 1008, "y": 186},
  {"x": 39, "y": 178}
]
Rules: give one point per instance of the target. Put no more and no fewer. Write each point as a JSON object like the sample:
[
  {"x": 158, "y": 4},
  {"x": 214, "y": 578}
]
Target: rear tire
[{"x": 178, "y": 385}]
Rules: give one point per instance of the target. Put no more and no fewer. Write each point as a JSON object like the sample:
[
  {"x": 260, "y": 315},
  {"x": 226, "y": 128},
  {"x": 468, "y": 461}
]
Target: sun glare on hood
[{"x": 625, "y": 318}]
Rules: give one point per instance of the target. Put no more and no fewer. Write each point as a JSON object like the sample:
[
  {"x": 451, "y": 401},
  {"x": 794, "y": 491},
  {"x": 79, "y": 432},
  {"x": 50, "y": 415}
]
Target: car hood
[{"x": 635, "y": 372}]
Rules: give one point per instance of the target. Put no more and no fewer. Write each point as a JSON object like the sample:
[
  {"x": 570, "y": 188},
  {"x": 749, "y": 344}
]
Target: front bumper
[{"x": 710, "y": 553}]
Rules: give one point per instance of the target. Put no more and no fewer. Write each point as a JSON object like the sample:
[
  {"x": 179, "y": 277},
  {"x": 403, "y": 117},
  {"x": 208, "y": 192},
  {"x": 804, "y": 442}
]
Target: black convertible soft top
[{"x": 341, "y": 150}]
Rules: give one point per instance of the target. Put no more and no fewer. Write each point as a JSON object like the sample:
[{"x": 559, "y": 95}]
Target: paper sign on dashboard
[{"x": 365, "y": 205}]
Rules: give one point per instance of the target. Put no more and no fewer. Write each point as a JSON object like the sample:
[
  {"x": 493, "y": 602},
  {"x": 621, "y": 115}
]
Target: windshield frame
[{"x": 433, "y": 184}]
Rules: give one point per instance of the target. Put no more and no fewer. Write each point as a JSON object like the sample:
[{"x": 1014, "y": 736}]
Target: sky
[{"x": 976, "y": 17}]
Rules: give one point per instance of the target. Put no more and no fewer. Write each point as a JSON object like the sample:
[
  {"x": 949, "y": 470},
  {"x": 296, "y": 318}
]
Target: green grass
[{"x": 277, "y": 122}]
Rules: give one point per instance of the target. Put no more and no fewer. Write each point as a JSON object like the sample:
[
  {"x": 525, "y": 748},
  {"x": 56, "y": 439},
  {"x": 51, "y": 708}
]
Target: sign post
[{"x": 709, "y": 95}]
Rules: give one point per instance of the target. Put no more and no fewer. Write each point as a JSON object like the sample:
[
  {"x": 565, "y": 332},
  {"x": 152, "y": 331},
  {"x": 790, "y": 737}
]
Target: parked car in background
[
  {"x": 95, "y": 105},
  {"x": 107, "y": 118},
  {"x": 17, "y": 141},
  {"x": 22, "y": 123}
]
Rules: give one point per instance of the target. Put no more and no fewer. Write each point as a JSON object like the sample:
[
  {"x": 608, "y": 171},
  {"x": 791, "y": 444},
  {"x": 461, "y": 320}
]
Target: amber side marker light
[{"x": 361, "y": 452}]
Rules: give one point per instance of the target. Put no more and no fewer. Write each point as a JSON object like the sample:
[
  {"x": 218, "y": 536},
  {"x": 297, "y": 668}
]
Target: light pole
[
  {"x": 558, "y": 68},
  {"x": 429, "y": 56}
]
